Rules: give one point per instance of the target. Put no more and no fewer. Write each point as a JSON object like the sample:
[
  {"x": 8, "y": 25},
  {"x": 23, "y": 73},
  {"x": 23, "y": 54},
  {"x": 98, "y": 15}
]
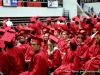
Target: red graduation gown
[
  {"x": 93, "y": 65},
  {"x": 1, "y": 59},
  {"x": 70, "y": 63},
  {"x": 24, "y": 46},
  {"x": 82, "y": 52},
  {"x": 62, "y": 44},
  {"x": 13, "y": 62},
  {"x": 55, "y": 59},
  {"x": 44, "y": 48},
  {"x": 89, "y": 41},
  {"x": 29, "y": 53},
  {"x": 38, "y": 65},
  {"x": 4, "y": 25}
]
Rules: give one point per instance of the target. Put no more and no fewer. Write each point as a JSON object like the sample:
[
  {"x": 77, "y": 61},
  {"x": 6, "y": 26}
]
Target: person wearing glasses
[{"x": 39, "y": 63}]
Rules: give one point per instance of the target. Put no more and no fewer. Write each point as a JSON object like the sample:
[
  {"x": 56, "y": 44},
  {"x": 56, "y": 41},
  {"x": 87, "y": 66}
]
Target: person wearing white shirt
[{"x": 9, "y": 23}]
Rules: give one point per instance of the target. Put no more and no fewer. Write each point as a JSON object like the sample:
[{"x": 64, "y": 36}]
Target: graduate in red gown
[
  {"x": 54, "y": 58},
  {"x": 57, "y": 33},
  {"x": 34, "y": 26},
  {"x": 14, "y": 60},
  {"x": 62, "y": 44},
  {"x": 70, "y": 61},
  {"x": 45, "y": 43},
  {"x": 93, "y": 64},
  {"x": 39, "y": 62},
  {"x": 2, "y": 45},
  {"x": 82, "y": 49},
  {"x": 83, "y": 23},
  {"x": 55, "y": 25},
  {"x": 39, "y": 23},
  {"x": 49, "y": 22},
  {"x": 26, "y": 47}
]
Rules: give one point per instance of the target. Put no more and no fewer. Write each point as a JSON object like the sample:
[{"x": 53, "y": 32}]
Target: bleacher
[{"x": 19, "y": 20}]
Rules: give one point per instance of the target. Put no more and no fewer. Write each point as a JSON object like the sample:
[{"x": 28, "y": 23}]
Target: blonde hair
[{"x": 51, "y": 45}]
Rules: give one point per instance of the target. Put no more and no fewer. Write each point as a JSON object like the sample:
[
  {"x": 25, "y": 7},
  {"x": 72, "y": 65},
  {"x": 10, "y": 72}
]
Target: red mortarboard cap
[
  {"x": 53, "y": 38},
  {"x": 81, "y": 35},
  {"x": 52, "y": 30},
  {"x": 2, "y": 45},
  {"x": 64, "y": 27},
  {"x": 45, "y": 28},
  {"x": 83, "y": 17},
  {"x": 73, "y": 41},
  {"x": 32, "y": 19},
  {"x": 98, "y": 18},
  {"x": 77, "y": 20},
  {"x": 65, "y": 32},
  {"x": 62, "y": 18},
  {"x": 74, "y": 18},
  {"x": 19, "y": 27},
  {"x": 36, "y": 39},
  {"x": 12, "y": 31},
  {"x": 97, "y": 26},
  {"x": 8, "y": 37},
  {"x": 2, "y": 30},
  {"x": 57, "y": 30},
  {"x": 48, "y": 19},
  {"x": 26, "y": 29}
]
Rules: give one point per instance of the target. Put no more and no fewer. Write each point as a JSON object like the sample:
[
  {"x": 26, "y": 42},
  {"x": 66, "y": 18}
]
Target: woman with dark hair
[
  {"x": 69, "y": 63},
  {"x": 45, "y": 43}
]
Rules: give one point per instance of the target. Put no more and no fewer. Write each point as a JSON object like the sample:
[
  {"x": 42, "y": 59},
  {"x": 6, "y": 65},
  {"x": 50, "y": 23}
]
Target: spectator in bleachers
[
  {"x": 99, "y": 15},
  {"x": 89, "y": 10},
  {"x": 9, "y": 23},
  {"x": 92, "y": 10},
  {"x": 82, "y": 4}
]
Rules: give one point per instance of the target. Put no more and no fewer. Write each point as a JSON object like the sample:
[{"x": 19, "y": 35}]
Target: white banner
[
  {"x": 10, "y": 2},
  {"x": 52, "y": 3}
]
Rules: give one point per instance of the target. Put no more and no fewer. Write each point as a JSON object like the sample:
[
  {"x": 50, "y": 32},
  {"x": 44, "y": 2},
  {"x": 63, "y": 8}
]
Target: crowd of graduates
[{"x": 54, "y": 48}]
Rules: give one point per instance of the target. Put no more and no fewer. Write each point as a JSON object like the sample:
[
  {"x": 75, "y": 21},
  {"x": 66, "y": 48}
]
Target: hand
[
  {"x": 93, "y": 58},
  {"x": 49, "y": 60},
  {"x": 27, "y": 61},
  {"x": 63, "y": 67}
]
